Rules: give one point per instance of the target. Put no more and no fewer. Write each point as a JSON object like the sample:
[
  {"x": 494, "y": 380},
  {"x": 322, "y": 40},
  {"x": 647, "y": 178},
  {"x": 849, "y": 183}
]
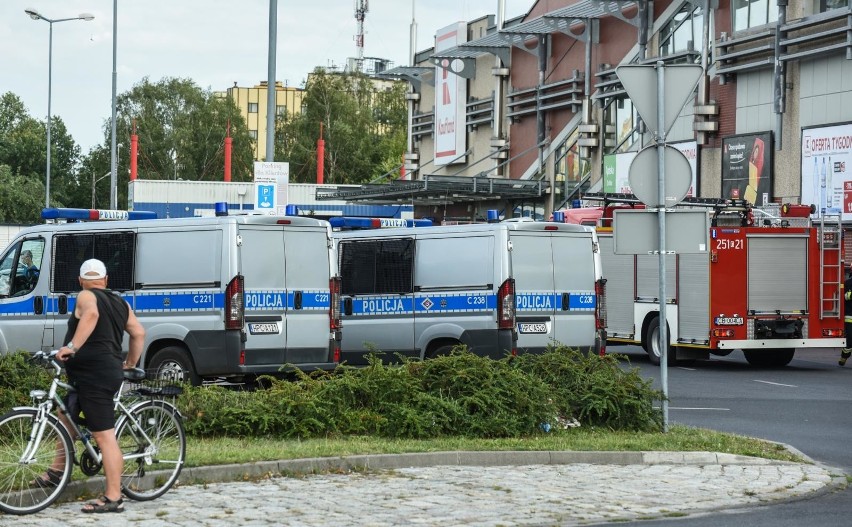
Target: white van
[
  {"x": 498, "y": 288},
  {"x": 227, "y": 296}
]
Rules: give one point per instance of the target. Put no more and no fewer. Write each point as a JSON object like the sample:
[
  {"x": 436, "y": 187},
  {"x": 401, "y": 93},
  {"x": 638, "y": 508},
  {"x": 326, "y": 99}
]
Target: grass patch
[{"x": 225, "y": 450}]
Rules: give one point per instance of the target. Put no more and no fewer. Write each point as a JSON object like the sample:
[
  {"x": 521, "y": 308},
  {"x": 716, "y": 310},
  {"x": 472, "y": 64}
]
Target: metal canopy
[
  {"x": 412, "y": 74},
  {"x": 559, "y": 20},
  {"x": 456, "y": 60},
  {"x": 488, "y": 44},
  {"x": 440, "y": 190}
]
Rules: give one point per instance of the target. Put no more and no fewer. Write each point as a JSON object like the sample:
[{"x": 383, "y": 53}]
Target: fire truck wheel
[
  {"x": 652, "y": 344},
  {"x": 769, "y": 357}
]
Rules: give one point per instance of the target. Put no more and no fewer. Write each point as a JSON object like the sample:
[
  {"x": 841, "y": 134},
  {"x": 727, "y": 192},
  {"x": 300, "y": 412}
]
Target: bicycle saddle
[{"x": 134, "y": 374}]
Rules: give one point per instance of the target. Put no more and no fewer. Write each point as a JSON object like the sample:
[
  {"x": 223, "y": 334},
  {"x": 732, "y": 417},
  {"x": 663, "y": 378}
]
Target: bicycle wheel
[
  {"x": 154, "y": 447},
  {"x": 20, "y": 490}
]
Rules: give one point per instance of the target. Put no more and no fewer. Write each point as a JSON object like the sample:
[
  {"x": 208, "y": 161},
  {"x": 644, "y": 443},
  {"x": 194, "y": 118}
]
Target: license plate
[
  {"x": 729, "y": 321},
  {"x": 263, "y": 329},
  {"x": 532, "y": 328}
]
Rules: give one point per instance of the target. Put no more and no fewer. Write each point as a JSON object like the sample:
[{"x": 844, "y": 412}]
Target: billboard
[
  {"x": 747, "y": 168},
  {"x": 617, "y": 169},
  {"x": 826, "y": 159},
  {"x": 450, "y": 101}
]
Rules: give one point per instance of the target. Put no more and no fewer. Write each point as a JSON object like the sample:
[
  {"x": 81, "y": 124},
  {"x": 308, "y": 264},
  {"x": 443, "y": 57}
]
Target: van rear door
[
  {"x": 574, "y": 280},
  {"x": 532, "y": 268},
  {"x": 308, "y": 263},
  {"x": 263, "y": 266}
]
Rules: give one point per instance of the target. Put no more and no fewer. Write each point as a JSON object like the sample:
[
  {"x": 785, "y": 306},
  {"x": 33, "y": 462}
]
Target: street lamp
[{"x": 35, "y": 15}]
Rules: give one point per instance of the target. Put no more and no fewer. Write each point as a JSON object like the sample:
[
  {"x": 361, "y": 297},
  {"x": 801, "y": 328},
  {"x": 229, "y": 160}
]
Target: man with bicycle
[{"x": 94, "y": 365}]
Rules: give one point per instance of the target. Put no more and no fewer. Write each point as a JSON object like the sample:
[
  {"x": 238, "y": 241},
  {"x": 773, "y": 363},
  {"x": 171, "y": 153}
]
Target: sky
[{"x": 216, "y": 43}]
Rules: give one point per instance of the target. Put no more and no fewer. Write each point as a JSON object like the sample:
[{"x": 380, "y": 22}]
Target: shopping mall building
[{"x": 530, "y": 115}]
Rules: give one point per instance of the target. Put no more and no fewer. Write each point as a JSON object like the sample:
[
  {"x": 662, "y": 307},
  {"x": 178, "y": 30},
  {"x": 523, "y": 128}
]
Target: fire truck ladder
[{"x": 831, "y": 269}]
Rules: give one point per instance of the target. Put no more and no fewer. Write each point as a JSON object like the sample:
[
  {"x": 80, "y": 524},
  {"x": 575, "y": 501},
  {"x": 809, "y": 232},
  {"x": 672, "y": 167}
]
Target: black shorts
[{"x": 98, "y": 407}]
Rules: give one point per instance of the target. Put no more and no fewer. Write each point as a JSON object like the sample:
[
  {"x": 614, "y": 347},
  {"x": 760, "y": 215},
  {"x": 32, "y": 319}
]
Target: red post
[
  {"x": 402, "y": 168},
  {"x": 134, "y": 152},
  {"x": 320, "y": 158},
  {"x": 228, "y": 141}
]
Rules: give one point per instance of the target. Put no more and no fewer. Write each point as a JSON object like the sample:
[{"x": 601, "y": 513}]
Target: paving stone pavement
[{"x": 487, "y": 489}]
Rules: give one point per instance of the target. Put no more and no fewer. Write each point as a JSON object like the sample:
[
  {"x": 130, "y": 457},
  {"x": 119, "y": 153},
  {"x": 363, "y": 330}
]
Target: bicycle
[{"x": 149, "y": 430}]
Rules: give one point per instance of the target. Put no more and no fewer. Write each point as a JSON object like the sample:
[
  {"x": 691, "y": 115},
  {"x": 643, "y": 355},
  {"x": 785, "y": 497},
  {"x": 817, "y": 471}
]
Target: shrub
[
  {"x": 459, "y": 394},
  {"x": 596, "y": 390},
  {"x": 18, "y": 375}
]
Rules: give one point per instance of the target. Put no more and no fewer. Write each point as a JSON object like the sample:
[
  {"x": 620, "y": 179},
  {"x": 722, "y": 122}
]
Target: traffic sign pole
[
  {"x": 641, "y": 83},
  {"x": 661, "y": 211}
]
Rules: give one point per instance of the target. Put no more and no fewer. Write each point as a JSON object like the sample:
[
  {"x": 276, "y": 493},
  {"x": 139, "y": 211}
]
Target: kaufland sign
[{"x": 450, "y": 101}]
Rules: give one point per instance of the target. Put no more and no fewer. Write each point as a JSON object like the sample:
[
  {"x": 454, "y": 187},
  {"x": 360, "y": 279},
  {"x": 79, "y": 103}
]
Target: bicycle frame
[
  {"x": 52, "y": 401},
  {"x": 148, "y": 430}
]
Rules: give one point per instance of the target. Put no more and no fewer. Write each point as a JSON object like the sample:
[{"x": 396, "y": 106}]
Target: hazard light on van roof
[{"x": 53, "y": 213}]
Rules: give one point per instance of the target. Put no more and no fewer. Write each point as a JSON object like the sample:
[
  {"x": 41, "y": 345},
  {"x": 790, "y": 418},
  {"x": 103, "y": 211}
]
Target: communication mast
[{"x": 361, "y": 9}]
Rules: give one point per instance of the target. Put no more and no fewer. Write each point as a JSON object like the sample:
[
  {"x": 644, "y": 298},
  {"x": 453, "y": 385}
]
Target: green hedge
[
  {"x": 460, "y": 394},
  {"x": 455, "y": 395}
]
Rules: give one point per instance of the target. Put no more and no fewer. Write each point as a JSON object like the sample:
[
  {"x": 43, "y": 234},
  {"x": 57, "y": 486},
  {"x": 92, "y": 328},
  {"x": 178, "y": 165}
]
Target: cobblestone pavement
[{"x": 463, "y": 489}]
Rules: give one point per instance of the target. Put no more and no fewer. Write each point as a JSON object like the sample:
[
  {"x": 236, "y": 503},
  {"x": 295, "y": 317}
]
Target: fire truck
[{"x": 768, "y": 285}]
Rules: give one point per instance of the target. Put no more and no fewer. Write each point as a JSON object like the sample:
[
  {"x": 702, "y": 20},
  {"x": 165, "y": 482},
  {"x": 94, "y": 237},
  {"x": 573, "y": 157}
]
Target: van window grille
[
  {"x": 371, "y": 267},
  {"x": 114, "y": 249}
]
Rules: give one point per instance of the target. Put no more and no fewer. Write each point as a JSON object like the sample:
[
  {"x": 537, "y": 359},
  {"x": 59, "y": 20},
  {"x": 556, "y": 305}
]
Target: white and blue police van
[
  {"x": 500, "y": 288},
  {"x": 220, "y": 297}
]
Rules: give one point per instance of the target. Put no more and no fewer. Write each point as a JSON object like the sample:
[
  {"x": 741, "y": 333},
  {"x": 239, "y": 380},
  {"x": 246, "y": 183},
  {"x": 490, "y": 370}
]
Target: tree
[
  {"x": 23, "y": 142},
  {"x": 364, "y": 129},
  {"x": 182, "y": 131},
  {"x": 21, "y": 197}
]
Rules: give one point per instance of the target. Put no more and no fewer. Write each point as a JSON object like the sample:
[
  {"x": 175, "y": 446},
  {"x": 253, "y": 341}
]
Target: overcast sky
[{"x": 213, "y": 42}]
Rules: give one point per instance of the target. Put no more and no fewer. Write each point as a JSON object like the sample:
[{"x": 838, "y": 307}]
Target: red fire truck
[{"x": 768, "y": 285}]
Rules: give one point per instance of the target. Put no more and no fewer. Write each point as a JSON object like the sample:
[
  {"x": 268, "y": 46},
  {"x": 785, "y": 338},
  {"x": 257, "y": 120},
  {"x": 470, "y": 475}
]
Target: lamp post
[{"x": 35, "y": 15}]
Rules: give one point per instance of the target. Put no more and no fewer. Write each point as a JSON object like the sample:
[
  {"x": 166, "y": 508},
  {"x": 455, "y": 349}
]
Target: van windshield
[{"x": 25, "y": 258}]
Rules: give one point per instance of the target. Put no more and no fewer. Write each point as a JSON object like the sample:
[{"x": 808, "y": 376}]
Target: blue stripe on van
[
  {"x": 455, "y": 303},
  {"x": 382, "y": 305},
  {"x": 423, "y": 303},
  {"x": 20, "y": 307},
  {"x": 318, "y": 299},
  {"x": 183, "y": 301},
  {"x": 538, "y": 301}
]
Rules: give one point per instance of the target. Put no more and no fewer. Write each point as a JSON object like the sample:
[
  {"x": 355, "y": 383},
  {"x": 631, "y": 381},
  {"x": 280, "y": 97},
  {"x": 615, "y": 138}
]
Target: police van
[
  {"x": 499, "y": 288},
  {"x": 225, "y": 296}
]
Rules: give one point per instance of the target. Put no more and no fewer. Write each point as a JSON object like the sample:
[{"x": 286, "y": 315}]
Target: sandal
[
  {"x": 104, "y": 504},
  {"x": 50, "y": 479}
]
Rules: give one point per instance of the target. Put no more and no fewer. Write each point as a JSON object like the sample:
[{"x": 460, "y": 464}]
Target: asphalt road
[{"x": 807, "y": 405}]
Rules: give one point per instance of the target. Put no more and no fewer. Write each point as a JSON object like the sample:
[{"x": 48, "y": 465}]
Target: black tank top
[{"x": 99, "y": 360}]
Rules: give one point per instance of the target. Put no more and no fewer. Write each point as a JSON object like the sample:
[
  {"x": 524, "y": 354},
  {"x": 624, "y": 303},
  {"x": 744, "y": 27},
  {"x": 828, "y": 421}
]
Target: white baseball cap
[{"x": 92, "y": 270}]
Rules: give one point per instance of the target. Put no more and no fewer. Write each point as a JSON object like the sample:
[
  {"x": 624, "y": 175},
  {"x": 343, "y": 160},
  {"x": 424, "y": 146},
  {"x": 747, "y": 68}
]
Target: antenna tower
[{"x": 361, "y": 9}]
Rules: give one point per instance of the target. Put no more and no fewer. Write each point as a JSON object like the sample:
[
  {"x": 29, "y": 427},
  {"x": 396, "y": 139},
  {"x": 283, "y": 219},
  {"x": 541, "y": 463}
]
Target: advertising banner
[
  {"x": 826, "y": 158},
  {"x": 747, "y": 168},
  {"x": 271, "y": 181},
  {"x": 617, "y": 169},
  {"x": 450, "y": 101}
]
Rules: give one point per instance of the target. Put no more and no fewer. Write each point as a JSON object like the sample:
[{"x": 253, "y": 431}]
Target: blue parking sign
[{"x": 265, "y": 196}]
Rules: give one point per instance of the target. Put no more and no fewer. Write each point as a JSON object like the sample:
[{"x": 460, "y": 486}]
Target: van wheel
[
  {"x": 652, "y": 344},
  {"x": 441, "y": 348},
  {"x": 173, "y": 363}
]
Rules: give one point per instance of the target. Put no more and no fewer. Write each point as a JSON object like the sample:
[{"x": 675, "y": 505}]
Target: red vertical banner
[
  {"x": 847, "y": 197},
  {"x": 228, "y": 145},
  {"x": 320, "y": 157},
  {"x": 134, "y": 152}
]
